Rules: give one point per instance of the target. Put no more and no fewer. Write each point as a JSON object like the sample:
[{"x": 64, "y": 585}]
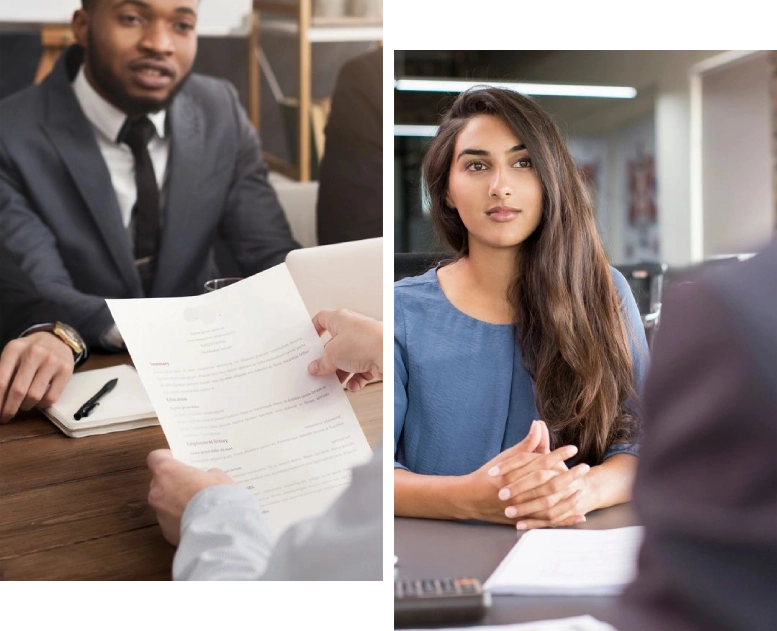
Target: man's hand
[
  {"x": 34, "y": 370},
  {"x": 356, "y": 347},
  {"x": 173, "y": 485}
]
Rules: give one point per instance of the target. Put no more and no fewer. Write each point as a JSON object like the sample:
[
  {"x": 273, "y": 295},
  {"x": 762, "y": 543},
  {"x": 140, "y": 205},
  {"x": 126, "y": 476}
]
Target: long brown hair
[{"x": 573, "y": 339}]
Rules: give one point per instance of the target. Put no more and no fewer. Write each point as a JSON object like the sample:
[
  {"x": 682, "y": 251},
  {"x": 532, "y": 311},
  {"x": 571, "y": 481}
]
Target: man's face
[{"x": 138, "y": 52}]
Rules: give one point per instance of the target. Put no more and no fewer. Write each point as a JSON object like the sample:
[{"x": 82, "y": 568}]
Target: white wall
[
  {"x": 737, "y": 193},
  {"x": 613, "y": 152},
  {"x": 593, "y": 150},
  {"x": 633, "y": 144}
]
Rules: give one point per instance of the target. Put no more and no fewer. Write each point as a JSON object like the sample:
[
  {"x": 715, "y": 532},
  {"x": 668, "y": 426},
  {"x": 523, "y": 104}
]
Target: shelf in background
[{"x": 328, "y": 29}]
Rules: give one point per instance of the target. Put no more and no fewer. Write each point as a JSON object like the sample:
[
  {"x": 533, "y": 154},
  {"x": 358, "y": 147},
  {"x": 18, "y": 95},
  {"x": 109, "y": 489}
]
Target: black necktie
[{"x": 145, "y": 213}]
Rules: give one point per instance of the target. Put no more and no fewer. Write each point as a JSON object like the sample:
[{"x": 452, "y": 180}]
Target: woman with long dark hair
[{"x": 526, "y": 341}]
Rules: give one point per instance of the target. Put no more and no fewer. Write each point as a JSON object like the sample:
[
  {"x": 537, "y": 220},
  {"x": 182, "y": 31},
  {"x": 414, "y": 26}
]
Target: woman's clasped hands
[{"x": 535, "y": 487}]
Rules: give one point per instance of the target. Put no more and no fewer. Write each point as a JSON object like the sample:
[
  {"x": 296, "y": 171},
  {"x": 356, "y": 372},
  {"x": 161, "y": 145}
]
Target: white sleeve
[{"x": 223, "y": 536}]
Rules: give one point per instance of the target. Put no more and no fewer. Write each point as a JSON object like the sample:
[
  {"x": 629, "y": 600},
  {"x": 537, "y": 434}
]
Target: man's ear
[{"x": 80, "y": 26}]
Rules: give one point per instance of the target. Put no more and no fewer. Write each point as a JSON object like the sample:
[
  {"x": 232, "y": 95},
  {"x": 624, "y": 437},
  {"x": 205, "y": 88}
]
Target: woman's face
[{"x": 493, "y": 185}]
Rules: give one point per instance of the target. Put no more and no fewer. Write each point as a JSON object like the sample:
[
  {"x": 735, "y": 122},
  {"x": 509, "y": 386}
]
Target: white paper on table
[
  {"x": 566, "y": 561},
  {"x": 578, "y": 623},
  {"x": 227, "y": 374}
]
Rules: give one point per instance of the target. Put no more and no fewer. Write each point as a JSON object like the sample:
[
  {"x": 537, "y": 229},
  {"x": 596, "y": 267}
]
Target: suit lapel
[
  {"x": 187, "y": 153},
  {"x": 73, "y": 138}
]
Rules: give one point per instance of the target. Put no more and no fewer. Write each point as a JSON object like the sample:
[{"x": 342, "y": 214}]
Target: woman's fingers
[
  {"x": 516, "y": 467},
  {"x": 551, "y": 508},
  {"x": 567, "y": 512},
  {"x": 532, "y": 523},
  {"x": 541, "y": 484},
  {"x": 520, "y": 450},
  {"x": 556, "y": 496},
  {"x": 571, "y": 516}
]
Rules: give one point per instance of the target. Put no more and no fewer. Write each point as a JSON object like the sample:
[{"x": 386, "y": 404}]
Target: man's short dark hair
[{"x": 88, "y": 5}]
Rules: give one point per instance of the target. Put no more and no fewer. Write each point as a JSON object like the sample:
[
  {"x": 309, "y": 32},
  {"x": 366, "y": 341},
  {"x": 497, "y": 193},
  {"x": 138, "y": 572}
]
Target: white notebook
[
  {"x": 127, "y": 406},
  {"x": 569, "y": 562}
]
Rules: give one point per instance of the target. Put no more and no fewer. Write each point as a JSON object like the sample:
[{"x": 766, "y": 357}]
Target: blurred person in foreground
[{"x": 706, "y": 485}]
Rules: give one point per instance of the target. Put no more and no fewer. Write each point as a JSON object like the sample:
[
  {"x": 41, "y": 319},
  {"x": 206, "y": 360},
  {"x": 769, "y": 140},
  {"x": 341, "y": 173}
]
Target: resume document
[{"x": 227, "y": 375}]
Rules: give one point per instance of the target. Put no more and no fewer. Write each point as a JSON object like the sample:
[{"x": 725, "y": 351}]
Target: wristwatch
[{"x": 67, "y": 334}]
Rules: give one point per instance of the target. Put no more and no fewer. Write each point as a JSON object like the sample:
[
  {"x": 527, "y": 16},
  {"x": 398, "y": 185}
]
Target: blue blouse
[{"x": 461, "y": 392}]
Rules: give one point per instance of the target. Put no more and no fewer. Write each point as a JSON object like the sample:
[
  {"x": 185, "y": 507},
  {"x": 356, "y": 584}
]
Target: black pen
[{"x": 87, "y": 408}]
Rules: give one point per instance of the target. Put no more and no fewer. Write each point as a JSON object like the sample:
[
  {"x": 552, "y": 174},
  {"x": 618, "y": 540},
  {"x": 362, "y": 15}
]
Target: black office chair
[
  {"x": 415, "y": 263},
  {"x": 680, "y": 275},
  {"x": 646, "y": 281}
]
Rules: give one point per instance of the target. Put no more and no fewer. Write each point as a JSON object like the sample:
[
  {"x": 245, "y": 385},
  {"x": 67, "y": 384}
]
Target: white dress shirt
[
  {"x": 107, "y": 121},
  {"x": 224, "y": 537}
]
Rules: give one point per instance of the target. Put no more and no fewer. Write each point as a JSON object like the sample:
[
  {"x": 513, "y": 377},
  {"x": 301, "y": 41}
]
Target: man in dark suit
[
  {"x": 119, "y": 170},
  {"x": 706, "y": 486},
  {"x": 37, "y": 353},
  {"x": 350, "y": 188}
]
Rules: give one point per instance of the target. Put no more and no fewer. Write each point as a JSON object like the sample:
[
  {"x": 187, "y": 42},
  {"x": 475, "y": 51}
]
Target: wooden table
[{"x": 75, "y": 508}]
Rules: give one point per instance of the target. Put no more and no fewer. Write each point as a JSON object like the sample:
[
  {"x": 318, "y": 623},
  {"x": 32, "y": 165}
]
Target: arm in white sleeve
[{"x": 223, "y": 536}]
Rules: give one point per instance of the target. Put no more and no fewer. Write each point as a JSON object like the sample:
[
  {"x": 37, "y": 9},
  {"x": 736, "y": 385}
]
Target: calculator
[{"x": 439, "y": 601}]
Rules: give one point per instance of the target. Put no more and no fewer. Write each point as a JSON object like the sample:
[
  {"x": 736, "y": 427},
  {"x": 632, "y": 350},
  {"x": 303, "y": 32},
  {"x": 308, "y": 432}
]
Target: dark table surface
[{"x": 429, "y": 548}]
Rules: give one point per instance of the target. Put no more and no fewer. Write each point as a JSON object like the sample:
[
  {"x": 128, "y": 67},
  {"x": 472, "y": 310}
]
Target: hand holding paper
[
  {"x": 173, "y": 485},
  {"x": 355, "y": 348}
]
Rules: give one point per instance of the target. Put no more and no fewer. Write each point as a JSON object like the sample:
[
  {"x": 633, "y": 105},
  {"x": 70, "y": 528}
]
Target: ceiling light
[
  {"x": 534, "y": 89},
  {"x": 416, "y": 131}
]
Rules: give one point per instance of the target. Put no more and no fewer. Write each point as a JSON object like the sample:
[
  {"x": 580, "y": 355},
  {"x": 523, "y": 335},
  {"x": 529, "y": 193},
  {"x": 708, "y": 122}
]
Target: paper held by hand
[{"x": 227, "y": 374}]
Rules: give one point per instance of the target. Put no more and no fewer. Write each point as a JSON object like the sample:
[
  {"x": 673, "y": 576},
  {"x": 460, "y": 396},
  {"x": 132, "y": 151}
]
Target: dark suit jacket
[
  {"x": 20, "y": 305},
  {"x": 350, "y": 193},
  {"x": 60, "y": 219},
  {"x": 706, "y": 487}
]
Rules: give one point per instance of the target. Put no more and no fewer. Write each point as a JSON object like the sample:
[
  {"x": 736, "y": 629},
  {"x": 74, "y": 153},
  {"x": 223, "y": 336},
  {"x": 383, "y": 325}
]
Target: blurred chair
[
  {"x": 298, "y": 200},
  {"x": 676, "y": 276},
  {"x": 646, "y": 281},
  {"x": 680, "y": 275},
  {"x": 415, "y": 263}
]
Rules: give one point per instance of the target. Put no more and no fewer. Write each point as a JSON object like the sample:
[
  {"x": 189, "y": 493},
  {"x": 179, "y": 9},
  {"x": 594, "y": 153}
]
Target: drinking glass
[{"x": 219, "y": 283}]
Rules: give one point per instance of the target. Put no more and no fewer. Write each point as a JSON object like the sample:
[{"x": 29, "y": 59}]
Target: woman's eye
[
  {"x": 476, "y": 166},
  {"x": 523, "y": 163}
]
